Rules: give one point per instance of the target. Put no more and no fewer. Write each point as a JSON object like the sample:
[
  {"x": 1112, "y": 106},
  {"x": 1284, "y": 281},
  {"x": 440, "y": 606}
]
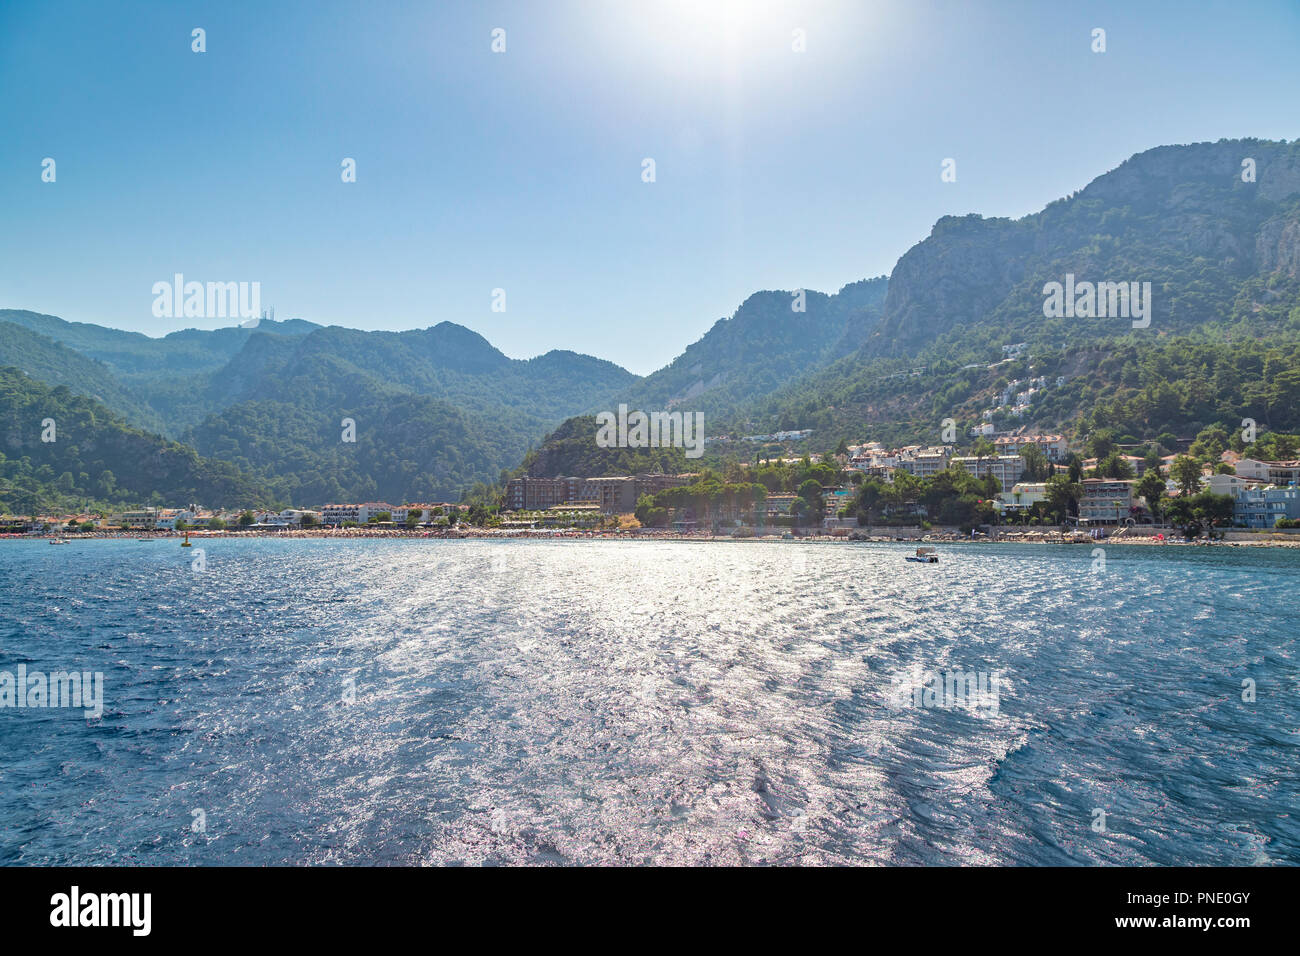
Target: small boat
[
  {"x": 58, "y": 541},
  {"x": 924, "y": 556}
]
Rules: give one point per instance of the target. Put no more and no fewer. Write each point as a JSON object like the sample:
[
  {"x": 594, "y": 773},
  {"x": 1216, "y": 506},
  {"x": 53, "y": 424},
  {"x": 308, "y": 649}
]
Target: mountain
[
  {"x": 959, "y": 331},
  {"x": 132, "y": 354},
  {"x": 571, "y": 450},
  {"x": 894, "y": 359},
  {"x": 1179, "y": 217},
  {"x": 437, "y": 409},
  {"x": 93, "y": 458},
  {"x": 52, "y": 362},
  {"x": 166, "y": 381},
  {"x": 447, "y": 362},
  {"x": 1223, "y": 259},
  {"x": 767, "y": 343}
]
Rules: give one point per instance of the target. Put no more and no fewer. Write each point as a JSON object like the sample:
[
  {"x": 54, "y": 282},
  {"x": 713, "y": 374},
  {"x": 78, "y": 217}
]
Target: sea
[{"x": 416, "y": 701}]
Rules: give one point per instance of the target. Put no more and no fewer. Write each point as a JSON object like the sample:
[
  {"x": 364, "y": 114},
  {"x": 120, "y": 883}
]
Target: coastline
[{"x": 1263, "y": 539}]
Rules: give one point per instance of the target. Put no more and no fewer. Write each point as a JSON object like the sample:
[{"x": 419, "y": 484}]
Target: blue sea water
[{"x": 422, "y": 701}]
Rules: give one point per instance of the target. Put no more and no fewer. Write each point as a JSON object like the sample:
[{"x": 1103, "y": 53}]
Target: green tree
[
  {"x": 810, "y": 492},
  {"x": 1115, "y": 466},
  {"x": 1036, "y": 467},
  {"x": 1063, "y": 496},
  {"x": 1151, "y": 488},
  {"x": 1101, "y": 443},
  {"x": 1214, "y": 510},
  {"x": 1186, "y": 472},
  {"x": 1210, "y": 443},
  {"x": 1074, "y": 469}
]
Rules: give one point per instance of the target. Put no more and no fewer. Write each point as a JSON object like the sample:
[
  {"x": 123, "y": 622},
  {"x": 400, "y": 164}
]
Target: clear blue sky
[{"x": 522, "y": 170}]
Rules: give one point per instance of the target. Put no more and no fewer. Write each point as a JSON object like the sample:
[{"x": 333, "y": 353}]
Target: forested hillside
[{"x": 90, "y": 458}]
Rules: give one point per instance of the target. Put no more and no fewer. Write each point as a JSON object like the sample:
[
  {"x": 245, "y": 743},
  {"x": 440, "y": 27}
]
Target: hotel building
[
  {"x": 1005, "y": 468},
  {"x": 1275, "y": 472},
  {"x": 361, "y": 513},
  {"x": 1261, "y": 507},
  {"x": 615, "y": 495},
  {"x": 1054, "y": 447},
  {"x": 1106, "y": 500},
  {"x": 538, "y": 494}
]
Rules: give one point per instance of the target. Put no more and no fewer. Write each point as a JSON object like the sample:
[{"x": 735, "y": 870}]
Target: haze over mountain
[
  {"x": 434, "y": 409},
  {"x": 439, "y": 408},
  {"x": 59, "y": 449},
  {"x": 771, "y": 340}
]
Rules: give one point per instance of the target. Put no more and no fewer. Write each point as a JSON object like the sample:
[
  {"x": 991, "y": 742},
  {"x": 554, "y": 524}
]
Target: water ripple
[{"x": 562, "y": 702}]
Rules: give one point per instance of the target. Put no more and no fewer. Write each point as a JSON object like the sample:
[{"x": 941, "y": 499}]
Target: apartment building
[
  {"x": 426, "y": 509},
  {"x": 615, "y": 495},
  {"x": 1023, "y": 495},
  {"x": 1005, "y": 468},
  {"x": 1136, "y": 462},
  {"x": 1233, "y": 485},
  {"x": 538, "y": 494},
  {"x": 778, "y": 505},
  {"x": 360, "y": 513},
  {"x": 166, "y": 520},
  {"x": 1054, "y": 447},
  {"x": 837, "y": 498},
  {"x": 1274, "y": 472},
  {"x": 1106, "y": 500},
  {"x": 619, "y": 495},
  {"x": 923, "y": 462},
  {"x": 143, "y": 518},
  {"x": 1261, "y": 507}
]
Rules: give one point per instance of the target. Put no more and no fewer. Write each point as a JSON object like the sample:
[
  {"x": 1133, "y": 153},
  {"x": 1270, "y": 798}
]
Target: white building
[
  {"x": 1054, "y": 447},
  {"x": 1233, "y": 485},
  {"x": 167, "y": 519},
  {"x": 1005, "y": 468},
  {"x": 144, "y": 518},
  {"x": 1276, "y": 472},
  {"x": 1023, "y": 495},
  {"x": 289, "y": 518},
  {"x": 402, "y": 512},
  {"x": 360, "y": 513},
  {"x": 924, "y": 462}
]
